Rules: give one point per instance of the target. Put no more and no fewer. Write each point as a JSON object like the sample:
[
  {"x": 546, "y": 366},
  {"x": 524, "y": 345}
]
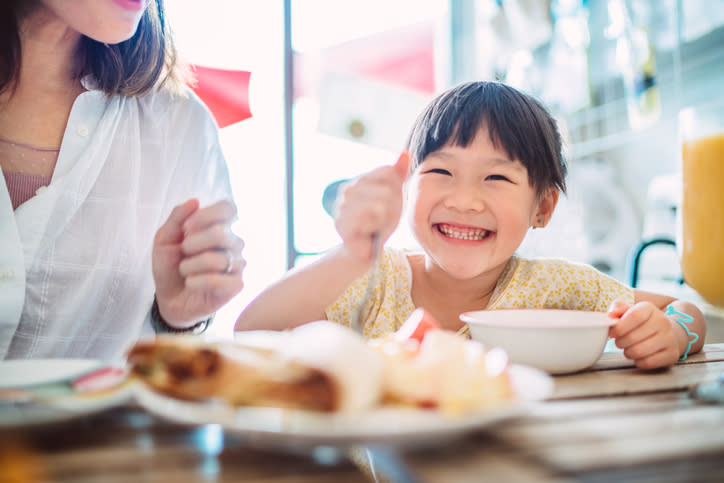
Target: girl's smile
[{"x": 461, "y": 232}]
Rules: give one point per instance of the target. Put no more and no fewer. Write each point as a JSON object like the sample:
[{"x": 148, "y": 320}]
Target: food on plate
[
  {"x": 419, "y": 323},
  {"x": 319, "y": 366},
  {"x": 323, "y": 366},
  {"x": 429, "y": 367}
]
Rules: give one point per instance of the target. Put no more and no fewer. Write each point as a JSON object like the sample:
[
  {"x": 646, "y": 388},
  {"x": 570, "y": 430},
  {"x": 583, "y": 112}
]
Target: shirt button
[
  {"x": 82, "y": 130},
  {"x": 7, "y": 273}
]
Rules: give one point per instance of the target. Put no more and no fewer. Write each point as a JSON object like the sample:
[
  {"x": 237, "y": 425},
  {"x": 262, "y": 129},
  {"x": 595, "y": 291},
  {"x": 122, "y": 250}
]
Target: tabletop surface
[{"x": 612, "y": 422}]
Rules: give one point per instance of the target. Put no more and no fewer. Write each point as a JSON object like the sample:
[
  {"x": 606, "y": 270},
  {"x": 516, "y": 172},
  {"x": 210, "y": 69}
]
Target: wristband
[
  {"x": 682, "y": 319},
  {"x": 160, "y": 326}
]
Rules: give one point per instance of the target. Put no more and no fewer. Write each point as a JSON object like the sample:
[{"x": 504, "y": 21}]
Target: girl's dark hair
[
  {"x": 131, "y": 67},
  {"x": 517, "y": 122}
]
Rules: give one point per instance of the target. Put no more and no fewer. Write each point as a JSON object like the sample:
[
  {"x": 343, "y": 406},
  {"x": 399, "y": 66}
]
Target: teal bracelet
[{"x": 682, "y": 320}]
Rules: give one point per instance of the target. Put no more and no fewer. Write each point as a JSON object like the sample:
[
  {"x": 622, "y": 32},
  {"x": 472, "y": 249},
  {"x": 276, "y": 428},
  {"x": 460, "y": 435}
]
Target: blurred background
[{"x": 334, "y": 86}]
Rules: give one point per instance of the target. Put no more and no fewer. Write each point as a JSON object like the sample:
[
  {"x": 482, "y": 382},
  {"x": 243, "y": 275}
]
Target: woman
[{"x": 106, "y": 161}]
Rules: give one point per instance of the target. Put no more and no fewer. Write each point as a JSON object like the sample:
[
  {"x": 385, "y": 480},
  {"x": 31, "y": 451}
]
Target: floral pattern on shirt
[{"x": 525, "y": 283}]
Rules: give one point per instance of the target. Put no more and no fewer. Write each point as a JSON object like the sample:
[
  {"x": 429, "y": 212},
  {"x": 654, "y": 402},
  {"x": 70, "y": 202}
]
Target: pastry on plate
[{"x": 319, "y": 366}]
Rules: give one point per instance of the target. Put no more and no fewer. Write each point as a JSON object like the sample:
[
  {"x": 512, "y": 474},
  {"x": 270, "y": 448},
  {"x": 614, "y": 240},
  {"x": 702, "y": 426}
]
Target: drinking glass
[{"x": 701, "y": 231}]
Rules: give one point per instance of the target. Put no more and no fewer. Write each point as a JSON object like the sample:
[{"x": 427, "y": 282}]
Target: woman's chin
[{"x": 120, "y": 32}]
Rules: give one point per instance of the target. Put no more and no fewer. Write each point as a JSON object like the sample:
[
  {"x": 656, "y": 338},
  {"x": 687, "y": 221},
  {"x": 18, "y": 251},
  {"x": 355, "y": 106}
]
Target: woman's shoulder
[
  {"x": 157, "y": 99},
  {"x": 184, "y": 104}
]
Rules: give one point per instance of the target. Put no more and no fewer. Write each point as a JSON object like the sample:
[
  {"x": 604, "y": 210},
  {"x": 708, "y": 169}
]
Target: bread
[{"x": 320, "y": 366}]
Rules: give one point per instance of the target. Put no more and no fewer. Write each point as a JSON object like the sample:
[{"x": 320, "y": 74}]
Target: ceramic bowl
[{"x": 555, "y": 341}]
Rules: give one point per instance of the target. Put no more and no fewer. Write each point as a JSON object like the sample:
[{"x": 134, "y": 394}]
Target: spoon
[
  {"x": 401, "y": 167},
  {"x": 370, "y": 287},
  {"x": 711, "y": 392}
]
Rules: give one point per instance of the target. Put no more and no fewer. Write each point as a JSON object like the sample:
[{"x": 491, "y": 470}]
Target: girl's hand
[
  {"x": 371, "y": 204},
  {"x": 197, "y": 262},
  {"x": 646, "y": 334}
]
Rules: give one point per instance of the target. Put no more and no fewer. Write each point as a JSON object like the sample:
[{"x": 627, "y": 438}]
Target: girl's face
[
  {"x": 109, "y": 21},
  {"x": 471, "y": 207}
]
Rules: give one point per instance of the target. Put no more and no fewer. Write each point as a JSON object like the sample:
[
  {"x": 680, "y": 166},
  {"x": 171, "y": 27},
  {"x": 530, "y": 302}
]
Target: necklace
[
  {"x": 29, "y": 146},
  {"x": 26, "y": 159}
]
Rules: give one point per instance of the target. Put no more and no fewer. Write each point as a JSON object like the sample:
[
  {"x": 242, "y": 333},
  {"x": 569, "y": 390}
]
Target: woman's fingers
[
  {"x": 209, "y": 246},
  {"x": 172, "y": 231},
  {"x": 221, "y": 212},
  {"x": 217, "y": 285},
  {"x": 213, "y": 237},
  {"x": 212, "y": 261}
]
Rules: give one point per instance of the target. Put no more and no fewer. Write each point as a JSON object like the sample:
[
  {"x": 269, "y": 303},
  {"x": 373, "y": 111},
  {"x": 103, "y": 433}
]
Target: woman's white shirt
[{"x": 75, "y": 260}]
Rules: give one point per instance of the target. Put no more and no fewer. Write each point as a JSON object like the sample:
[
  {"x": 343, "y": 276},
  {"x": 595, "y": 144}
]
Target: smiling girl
[{"x": 486, "y": 166}]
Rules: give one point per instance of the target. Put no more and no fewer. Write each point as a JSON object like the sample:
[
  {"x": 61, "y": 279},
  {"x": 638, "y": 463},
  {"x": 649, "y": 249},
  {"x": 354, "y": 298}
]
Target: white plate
[
  {"x": 34, "y": 391},
  {"x": 387, "y": 425},
  {"x": 29, "y": 372}
]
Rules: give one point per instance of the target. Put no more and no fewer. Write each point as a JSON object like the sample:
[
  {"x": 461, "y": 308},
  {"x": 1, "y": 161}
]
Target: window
[{"x": 246, "y": 35}]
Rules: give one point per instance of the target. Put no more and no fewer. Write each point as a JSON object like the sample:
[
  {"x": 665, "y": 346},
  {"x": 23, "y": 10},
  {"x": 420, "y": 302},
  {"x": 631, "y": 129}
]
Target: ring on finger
[{"x": 229, "y": 261}]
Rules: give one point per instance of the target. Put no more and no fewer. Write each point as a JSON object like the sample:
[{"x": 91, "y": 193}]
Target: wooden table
[{"x": 611, "y": 423}]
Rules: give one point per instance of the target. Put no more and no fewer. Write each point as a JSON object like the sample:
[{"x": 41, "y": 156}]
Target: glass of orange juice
[{"x": 701, "y": 233}]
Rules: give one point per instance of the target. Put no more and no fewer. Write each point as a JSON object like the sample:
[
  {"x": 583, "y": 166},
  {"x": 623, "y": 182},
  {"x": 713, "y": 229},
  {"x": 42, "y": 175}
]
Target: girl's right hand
[{"x": 370, "y": 204}]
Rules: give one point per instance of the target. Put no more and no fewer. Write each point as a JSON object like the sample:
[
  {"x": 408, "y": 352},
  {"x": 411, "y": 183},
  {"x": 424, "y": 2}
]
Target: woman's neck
[
  {"x": 49, "y": 48},
  {"x": 37, "y": 110}
]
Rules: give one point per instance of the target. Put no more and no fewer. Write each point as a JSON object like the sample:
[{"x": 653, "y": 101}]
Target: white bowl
[{"x": 555, "y": 341}]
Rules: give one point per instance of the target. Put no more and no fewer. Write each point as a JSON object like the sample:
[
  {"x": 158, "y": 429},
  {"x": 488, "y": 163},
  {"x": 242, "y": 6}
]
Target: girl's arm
[
  {"x": 303, "y": 294},
  {"x": 696, "y": 326},
  {"x": 370, "y": 204},
  {"x": 649, "y": 333}
]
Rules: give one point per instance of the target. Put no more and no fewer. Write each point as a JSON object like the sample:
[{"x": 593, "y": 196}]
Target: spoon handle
[{"x": 370, "y": 286}]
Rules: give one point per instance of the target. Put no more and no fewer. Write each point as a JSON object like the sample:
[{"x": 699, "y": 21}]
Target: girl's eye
[
  {"x": 438, "y": 171},
  {"x": 497, "y": 177}
]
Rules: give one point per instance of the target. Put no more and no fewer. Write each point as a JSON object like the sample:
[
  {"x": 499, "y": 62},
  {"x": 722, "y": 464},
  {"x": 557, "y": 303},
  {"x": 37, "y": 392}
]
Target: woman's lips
[{"x": 134, "y": 5}]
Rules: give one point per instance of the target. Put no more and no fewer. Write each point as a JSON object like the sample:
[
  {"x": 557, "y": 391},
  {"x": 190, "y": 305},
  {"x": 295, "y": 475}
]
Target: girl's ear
[{"x": 546, "y": 204}]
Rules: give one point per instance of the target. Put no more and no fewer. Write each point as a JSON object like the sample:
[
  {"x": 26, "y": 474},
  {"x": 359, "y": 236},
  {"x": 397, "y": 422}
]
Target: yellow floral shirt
[{"x": 536, "y": 283}]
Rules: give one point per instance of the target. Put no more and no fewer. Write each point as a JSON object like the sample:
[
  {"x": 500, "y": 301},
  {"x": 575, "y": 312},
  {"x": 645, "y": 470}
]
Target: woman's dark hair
[
  {"x": 131, "y": 67},
  {"x": 517, "y": 122}
]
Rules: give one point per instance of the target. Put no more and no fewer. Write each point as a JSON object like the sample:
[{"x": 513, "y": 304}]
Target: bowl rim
[{"x": 582, "y": 318}]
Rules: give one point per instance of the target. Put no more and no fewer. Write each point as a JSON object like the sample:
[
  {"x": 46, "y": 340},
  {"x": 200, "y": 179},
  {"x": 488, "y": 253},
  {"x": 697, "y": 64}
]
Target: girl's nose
[{"x": 464, "y": 197}]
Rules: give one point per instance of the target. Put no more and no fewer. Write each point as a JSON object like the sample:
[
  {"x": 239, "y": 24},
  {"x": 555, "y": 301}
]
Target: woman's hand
[
  {"x": 370, "y": 204},
  {"x": 197, "y": 262},
  {"x": 646, "y": 335}
]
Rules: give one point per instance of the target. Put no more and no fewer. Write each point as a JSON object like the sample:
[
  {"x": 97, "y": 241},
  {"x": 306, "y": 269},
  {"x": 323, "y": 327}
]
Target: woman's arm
[{"x": 303, "y": 294}]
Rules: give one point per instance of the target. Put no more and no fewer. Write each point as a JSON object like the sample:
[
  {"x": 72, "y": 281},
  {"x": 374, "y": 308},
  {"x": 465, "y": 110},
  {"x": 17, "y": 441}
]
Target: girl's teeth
[{"x": 463, "y": 234}]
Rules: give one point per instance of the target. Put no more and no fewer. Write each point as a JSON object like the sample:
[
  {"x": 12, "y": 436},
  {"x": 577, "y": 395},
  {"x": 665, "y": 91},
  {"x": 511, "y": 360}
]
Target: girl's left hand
[
  {"x": 197, "y": 262},
  {"x": 645, "y": 334}
]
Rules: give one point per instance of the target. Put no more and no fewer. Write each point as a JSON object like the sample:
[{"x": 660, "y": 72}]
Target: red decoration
[{"x": 225, "y": 92}]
